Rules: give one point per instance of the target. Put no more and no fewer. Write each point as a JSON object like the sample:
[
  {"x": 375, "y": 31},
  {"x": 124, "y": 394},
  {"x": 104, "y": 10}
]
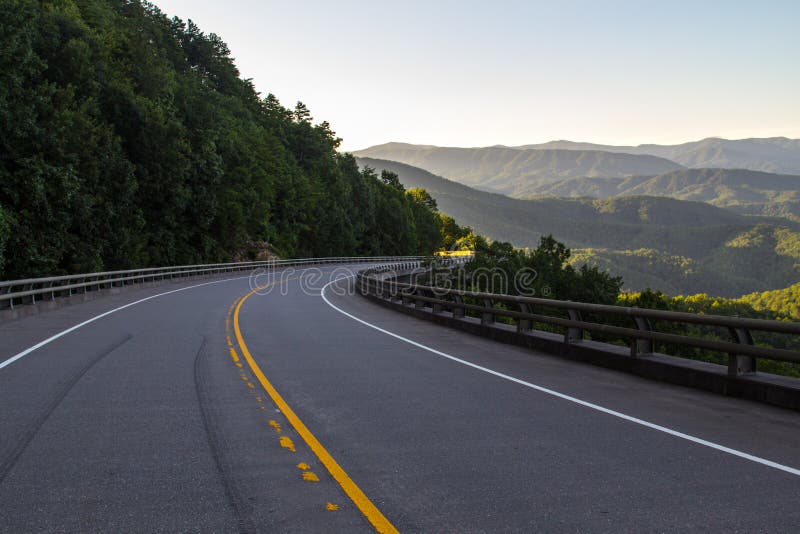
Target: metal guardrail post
[
  {"x": 737, "y": 363},
  {"x": 458, "y": 309},
  {"x": 573, "y": 334},
  {"x": 419, "y": 304},
  {"x": 487, "y": 317},
  {"x": 524, "y": 325},
  {"x": 436, "y": 307},
  {"x": 28, "y": 288},
  {"x": 385, "y": 288},
  {"x": 370, "y": 286},
  {"x": 642, "y": 347},
  {"x": 406, "y": 296},
  {"x": 5, "y": 291},
  {"x": 394, "y": 294}
]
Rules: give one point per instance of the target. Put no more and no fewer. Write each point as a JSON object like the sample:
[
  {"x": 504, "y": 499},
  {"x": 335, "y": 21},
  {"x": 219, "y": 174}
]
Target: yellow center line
[{"x": 359, "y": 498}]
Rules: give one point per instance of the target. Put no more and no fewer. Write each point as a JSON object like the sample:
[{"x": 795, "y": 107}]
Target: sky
[{"x": 463, "y": 73}]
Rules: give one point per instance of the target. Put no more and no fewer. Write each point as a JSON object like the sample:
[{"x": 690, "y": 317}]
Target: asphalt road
[{"x": 156, "y": 418}]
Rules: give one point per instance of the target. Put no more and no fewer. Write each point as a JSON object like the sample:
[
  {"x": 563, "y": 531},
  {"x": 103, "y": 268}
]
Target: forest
[{"x": 129, "y": 139}]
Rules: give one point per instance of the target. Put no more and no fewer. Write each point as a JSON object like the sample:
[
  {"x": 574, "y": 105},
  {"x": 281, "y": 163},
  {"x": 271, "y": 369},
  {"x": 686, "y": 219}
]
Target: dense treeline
[
  {"x": 784, "y": 303},
  {"x": 545, "y": 271},
  {"x": 129, "y": 139}
]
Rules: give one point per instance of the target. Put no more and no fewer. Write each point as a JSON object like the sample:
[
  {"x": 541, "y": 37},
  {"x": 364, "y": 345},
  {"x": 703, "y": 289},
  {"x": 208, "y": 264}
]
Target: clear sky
[{"x": 463, "y": 73}]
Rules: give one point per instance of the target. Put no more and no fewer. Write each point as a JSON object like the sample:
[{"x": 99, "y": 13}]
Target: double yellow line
[{"x": 358, "y": 497}]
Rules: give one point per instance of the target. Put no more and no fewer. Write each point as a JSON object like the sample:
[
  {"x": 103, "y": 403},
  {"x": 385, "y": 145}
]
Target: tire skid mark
[
  {"x": 8, "y": 461},
  {"x": 216, "y": 445}
]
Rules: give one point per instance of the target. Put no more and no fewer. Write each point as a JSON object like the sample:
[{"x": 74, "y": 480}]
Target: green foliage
[
  {"x": 390, "y": 178},
  {"x": 453, "y": 236},
  {"x": 784, "y": 303},
  {"x": 129, "y": 139},
  {"x": 4, "y": 229},
  {"x": 675, "y": 245},
  {"x": 498, "y": 267}
]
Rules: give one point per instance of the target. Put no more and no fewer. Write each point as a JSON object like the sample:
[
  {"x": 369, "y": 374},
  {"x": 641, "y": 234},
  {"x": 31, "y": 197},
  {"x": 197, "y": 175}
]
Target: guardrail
[
  {"x": 33, "y": 290},
  {"x": 742, "y": 352}
]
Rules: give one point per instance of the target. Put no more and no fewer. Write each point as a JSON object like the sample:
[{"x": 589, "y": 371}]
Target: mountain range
[
  {"x": 771, "y": 154},
  {"x": 677, "y": 246},
  {"x": 517, "y": 172},
  {"x": 744, "y": 191},
  {"x": 529, "y": 170}
]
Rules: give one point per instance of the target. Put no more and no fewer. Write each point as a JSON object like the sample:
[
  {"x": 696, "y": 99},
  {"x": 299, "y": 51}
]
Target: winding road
[{"x": 291, "y": 404}]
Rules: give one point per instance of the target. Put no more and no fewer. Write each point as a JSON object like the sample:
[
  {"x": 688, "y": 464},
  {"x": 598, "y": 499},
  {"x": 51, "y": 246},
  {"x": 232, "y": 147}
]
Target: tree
[
  {"x": 420, "y": 196},
  {"x": 392, "y": 180},
  {"x": 500, "y": 267}
]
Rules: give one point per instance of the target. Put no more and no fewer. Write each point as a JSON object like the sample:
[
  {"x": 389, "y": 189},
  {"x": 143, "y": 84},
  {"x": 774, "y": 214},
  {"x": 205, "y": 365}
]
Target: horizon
[
  {"x": 442, "y": 74},
  {"x": 499, "y": 145}
]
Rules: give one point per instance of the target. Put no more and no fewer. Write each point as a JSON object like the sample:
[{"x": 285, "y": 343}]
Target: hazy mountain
[
  {"x": 516, "y": 172},
  {"x": 772, "y": 154},
  {"x": 787, "y": 210},
  {"x": 674, "y": 245},
  {"x": 745, "y": 191},
  {"x": 520, "y": 171},
  {"x": 705, "y": 185}
]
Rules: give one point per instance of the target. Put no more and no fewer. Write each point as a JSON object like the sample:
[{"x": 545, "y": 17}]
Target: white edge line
[
  {"x": 620, "y": 415},
  {"x": 109, "y": 312}
]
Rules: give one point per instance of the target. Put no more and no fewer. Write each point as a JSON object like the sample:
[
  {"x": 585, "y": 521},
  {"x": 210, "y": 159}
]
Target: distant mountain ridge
[
  {"x": 513, "y": 171},
  {"x": 745, "y": 191},
  {"x": 771, "y": 154},
  {"x": 674, "y": 245},
  {"x": 523, "y": 171}
]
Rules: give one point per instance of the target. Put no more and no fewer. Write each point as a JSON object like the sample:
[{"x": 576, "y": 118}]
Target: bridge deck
[{"x": 141, "y": 420}]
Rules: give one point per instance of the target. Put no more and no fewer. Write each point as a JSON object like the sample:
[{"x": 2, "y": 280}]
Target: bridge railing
[
  {"x": 33, "y": 290},
  {"x": 524, "y": 312}
]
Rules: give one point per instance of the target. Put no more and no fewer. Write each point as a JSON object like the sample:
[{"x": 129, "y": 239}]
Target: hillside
[
  {"x": 784, "y": 302},
  {"x": 775, "y": 154},
  {"x": 747, "y": 192},
  {"x": 516, "y": 172},
  {"x": 673, "y": 245},
  {"x": 785, "y": 210},
  {"x": 526, "y": 171},
  {"x": 129, "y": 139}
]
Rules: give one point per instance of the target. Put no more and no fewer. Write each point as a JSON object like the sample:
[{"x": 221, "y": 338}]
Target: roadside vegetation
[
  {"x": 548, "y": 272},
  {"x": 129, "y": 139}
]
